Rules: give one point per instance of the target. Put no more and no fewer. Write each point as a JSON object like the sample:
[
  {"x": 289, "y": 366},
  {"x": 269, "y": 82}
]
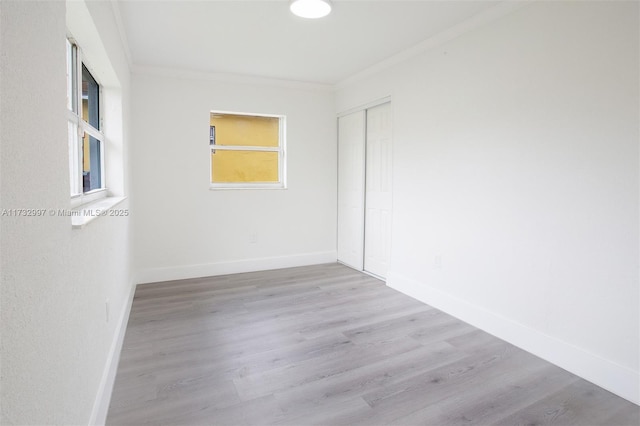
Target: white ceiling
[{"x": 262, "y": 38}]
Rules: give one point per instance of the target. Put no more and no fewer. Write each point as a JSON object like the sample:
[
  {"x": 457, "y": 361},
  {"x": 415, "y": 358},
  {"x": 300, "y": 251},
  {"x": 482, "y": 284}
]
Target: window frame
[
  {"x": 280, "y": 149},
  {"x": 74, "y": 118}
]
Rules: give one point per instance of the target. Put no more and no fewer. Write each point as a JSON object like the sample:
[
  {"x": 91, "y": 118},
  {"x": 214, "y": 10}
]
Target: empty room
[{"x": 313, "y": 212}]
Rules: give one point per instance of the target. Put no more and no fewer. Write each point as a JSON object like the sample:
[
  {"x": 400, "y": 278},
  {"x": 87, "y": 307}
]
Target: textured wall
[{"x": 55, "y": 280}]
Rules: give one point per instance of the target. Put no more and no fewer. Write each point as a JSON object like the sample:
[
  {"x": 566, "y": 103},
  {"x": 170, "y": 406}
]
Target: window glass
[
  {"x": 91, "y": 163},
  {"x": 246, "y": 130},
  {"x": 90, "y": 99},
  {"x": 246, "y": 150},
  {"x": 244, "y": 166}
]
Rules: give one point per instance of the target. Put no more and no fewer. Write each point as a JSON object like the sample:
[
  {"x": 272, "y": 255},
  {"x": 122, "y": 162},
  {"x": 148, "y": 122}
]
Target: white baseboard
[
  {"x": 151, "y": 275},
  {"x": 609, "y": 375},
  {"x": 103, "y": 399}
]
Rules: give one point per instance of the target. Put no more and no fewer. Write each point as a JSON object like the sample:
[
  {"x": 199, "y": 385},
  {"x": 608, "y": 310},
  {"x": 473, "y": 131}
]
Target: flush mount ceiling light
[{"x": 311, "y": 9}]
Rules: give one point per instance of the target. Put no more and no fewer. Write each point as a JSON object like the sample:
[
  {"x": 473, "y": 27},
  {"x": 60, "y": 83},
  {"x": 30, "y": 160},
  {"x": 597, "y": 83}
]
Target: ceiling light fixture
[{"x": 311, "y": 9}]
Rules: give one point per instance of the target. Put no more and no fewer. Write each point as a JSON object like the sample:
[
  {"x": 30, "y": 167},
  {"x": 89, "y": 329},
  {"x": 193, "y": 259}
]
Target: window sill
[
  {"x": 78, "y": 201},
  {"x": 226, "y": 186},
  {"x": 86, "y": 213}
]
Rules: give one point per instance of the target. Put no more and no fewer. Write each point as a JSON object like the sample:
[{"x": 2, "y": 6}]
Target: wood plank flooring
[{"x": 326, "y": 345}]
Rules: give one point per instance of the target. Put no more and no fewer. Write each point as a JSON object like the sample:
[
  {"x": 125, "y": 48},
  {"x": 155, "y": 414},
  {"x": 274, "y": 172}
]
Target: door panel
[
  {"x": 378, "y": 202},
  {"x": 351, "y": 162}
]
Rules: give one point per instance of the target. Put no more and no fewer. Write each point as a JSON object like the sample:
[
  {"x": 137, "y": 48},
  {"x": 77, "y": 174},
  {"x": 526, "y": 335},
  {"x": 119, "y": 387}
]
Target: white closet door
[
  {"x": 377, "y": 244},
  {"x": 351, "y": 161}
]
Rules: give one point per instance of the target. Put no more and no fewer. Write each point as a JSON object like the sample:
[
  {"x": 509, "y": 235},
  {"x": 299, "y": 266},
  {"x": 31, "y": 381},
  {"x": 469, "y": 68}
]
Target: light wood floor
[{"x": 328, "y": 345}]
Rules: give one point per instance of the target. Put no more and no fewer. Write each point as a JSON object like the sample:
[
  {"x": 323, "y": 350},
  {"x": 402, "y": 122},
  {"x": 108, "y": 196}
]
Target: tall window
[
  {"x": 247, "y": 150},
  {"x": 86, "y": 140}
]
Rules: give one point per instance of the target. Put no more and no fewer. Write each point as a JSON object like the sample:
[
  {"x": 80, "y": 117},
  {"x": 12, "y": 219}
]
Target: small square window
[{"x": 247, "y": 150}]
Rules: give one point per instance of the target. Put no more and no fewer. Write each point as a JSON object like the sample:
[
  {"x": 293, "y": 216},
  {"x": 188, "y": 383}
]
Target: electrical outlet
[
  {"x": 253, "y": 238},
  {"x": 437, "y": 261},
  {"x": 106, "y": 310}
]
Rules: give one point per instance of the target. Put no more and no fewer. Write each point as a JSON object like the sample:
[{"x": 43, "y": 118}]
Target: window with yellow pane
[{"x": 247, "y": 150}]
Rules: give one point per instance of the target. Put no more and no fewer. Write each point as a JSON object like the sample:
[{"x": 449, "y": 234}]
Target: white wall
[
  {"x": 56, "y": 342},
  {"x": 516, "y": 161},
  {"x": 182, "y": 228}
]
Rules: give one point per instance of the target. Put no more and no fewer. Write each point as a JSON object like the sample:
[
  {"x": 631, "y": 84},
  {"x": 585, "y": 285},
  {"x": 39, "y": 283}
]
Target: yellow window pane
[
  {"x": 244, "y": 166},
  {"x": 245, "y": 130}
]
